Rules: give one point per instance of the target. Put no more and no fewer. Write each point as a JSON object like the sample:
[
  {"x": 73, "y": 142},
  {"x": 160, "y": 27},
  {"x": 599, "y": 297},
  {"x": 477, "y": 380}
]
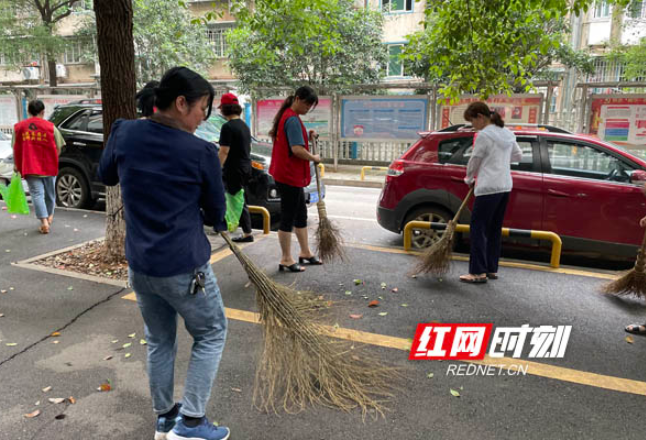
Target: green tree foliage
[
  {"x": 633, "y": 58},
  {"x": 27, "y": 31},
  {"x": 328, "y": 44},
  {"x": 490, "y": 47}
]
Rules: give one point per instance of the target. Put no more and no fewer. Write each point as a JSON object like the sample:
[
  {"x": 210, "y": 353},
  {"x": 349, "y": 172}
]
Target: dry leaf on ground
[{"x": 31, "y": 415}]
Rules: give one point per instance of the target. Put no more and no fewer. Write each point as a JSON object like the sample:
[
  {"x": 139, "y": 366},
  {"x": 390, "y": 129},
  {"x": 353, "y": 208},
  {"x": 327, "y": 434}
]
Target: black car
[{"x": 77, "y": 185}]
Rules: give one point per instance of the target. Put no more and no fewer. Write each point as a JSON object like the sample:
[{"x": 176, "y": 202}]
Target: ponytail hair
[
  {"x": 146, "y": 99},
  {"x": 304, "y": 93},
  {"x": 480, "y": 108}
]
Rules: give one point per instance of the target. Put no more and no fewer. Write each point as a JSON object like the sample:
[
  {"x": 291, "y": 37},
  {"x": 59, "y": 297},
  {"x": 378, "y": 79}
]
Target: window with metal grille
[
  {"x": 602, "y": 9},
  {"x": 637, "y": 10},
  {"x": 397, "y": 5},
  {"x": 217, "y": 37},
  {"x": 395, "y": 65},
  {"x": 74, "y": 51}
]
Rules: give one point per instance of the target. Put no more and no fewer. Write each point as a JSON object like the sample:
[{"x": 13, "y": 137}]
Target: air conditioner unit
[
  {"x": 61, "y": 71},
  {"x": 29, "y": 73}
]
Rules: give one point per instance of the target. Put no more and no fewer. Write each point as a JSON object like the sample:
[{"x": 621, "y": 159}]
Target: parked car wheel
[
  {"x": 72, "y": 189},
  {"x": 423, "y": 238}
]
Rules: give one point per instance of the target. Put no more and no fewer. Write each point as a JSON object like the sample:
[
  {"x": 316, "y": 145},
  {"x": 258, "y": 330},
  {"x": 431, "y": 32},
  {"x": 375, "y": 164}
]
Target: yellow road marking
[
  {"x": 226, "y": 252},
  {"x": 578, "y": 272},
  {"x": 611, "y": 383}
]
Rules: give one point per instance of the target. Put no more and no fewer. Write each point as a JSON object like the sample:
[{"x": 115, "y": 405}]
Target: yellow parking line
[
  {"x": 611, "y": 383},
  {"x": 578, "y": 272},
  {"x": 226, "y": 252}
]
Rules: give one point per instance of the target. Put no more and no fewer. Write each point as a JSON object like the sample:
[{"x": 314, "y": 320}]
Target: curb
[{"x": 356, "y": 183}]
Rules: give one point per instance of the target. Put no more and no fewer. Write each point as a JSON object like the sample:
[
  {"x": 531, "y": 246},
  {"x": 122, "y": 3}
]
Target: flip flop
[
  {"x": 473, "y": 279},
  {"x": 313, "y": 261},
  {"x": 293, "y": 268},
  {"x": 636, "y": 329}
]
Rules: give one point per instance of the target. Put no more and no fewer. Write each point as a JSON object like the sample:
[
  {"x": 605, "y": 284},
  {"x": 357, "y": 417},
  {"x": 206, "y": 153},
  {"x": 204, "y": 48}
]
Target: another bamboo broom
[
  {"x": 632, "y": 282},
  {"x": 301, "y": 364},
  {"x": 328, "y": 236},
  {"x": 437, "y": 259}
]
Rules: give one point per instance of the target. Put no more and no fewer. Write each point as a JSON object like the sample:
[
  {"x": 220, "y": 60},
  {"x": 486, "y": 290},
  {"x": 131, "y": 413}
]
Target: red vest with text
[
  {"x": 35, "y": 148},
  {"x": 285, "y": 167}
]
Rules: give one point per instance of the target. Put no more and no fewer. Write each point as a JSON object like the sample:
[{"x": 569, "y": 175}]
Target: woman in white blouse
[{"x": 489, "y": 170}]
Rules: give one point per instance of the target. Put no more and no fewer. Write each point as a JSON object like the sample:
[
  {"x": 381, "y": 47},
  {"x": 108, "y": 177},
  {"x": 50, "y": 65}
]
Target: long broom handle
[
  {"x": 464, "y": 203},
  {"x": 639, "y": 263},
  {"x": 316, "y": 166}
]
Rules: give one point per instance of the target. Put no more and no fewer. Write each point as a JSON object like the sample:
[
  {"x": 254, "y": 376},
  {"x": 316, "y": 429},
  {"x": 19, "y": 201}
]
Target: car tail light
[
  {"x": 395, "y": 169},
  {"x": 257, "y": 165}
]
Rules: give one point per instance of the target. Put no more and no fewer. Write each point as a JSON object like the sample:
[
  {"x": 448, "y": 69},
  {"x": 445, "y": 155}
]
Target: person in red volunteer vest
[
  {"x": 36, "y": 146},
  {"x": 290, "y": 168}
]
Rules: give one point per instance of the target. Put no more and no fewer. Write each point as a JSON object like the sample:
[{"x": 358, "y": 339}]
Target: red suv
[{"x": 587, "y": 191}]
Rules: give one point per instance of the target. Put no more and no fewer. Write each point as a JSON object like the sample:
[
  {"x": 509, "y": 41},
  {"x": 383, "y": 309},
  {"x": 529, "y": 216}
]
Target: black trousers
[
  {"x": 293, "y": 209},
  {"x": 486, "y": 232}
]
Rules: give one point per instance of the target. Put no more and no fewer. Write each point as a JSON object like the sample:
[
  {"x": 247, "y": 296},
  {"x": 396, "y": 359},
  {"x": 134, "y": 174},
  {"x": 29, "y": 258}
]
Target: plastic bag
[
  {"x": 14, "y": 196},
  {"x": 235, "y": 203}
]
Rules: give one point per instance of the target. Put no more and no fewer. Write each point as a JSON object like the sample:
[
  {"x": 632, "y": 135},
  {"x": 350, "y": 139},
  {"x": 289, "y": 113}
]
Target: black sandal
[
  {"x": 492, "y": 276},
  {"x": 312, "y": 261},
  {"x": 293, "y": 268}
]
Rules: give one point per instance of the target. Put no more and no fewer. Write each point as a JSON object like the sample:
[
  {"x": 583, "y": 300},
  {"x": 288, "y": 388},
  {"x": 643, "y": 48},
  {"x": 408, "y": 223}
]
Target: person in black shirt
[{"x": 235, "y": 159}]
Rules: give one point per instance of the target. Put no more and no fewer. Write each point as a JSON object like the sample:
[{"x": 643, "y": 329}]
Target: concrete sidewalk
[{"x": 350, "y": 175}]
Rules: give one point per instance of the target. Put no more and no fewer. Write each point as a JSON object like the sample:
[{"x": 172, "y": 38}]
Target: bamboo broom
[
  {"x": 632, "y": 282},
  {"x": 301, "y": 364},
  {"x": 437, "y": 259},
  {"x": 328, "y": 236}
]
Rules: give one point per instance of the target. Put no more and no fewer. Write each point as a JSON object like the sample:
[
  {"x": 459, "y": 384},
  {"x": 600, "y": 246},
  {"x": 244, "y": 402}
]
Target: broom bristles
[
  {"x": 437, "y": 258},
  {"x": 328, "y": 237},
  {"x": 301, "y": 364},
  {"x": 632, "y": 282}
]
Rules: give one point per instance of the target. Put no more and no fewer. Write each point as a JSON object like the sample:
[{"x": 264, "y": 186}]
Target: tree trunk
[
  {"x": 118, "y": 88},
  {"x": 51, "y": 68}
]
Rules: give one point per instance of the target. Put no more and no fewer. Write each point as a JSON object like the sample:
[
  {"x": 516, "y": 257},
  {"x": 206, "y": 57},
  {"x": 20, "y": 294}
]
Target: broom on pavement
[
  {"x": 632, "y": 282},
  {"x": 301, "y": 363},
  {"x": 437, "y": 259},
  {"x": 328, "y": 236}
]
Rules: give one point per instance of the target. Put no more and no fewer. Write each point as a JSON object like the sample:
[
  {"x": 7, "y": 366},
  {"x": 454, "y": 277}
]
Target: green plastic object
[
  {"x": 14, "y": 196},
  {"x": 235, "y": 203}
]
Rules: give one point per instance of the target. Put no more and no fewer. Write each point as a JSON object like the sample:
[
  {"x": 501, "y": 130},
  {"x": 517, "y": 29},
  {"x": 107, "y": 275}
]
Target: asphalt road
[{"x": 595, "y": 392}]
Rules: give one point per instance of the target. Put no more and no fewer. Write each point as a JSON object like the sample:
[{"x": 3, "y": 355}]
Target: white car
[{"x": 6, "y": 161}]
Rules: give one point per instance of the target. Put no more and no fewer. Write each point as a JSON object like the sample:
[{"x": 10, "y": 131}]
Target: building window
[
  {"x": 395, "y": 63},
  {"x": 74, "y": 51},
  {"x": 217, "y": 37},
  {"x": 637, "y": 10},
  {"x": 397, "y": 5},
  {"x": 602, "y": 9}
]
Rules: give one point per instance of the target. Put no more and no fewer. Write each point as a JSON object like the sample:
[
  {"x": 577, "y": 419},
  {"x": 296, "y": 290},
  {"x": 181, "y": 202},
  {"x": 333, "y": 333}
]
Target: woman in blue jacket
[{"x": 171, "y": 186}]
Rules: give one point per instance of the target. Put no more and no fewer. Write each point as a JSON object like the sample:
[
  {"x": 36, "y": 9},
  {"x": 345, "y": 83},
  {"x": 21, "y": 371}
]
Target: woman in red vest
[
  {"x": 36, "y": 146},
  {"x": 290, "y": 167}
]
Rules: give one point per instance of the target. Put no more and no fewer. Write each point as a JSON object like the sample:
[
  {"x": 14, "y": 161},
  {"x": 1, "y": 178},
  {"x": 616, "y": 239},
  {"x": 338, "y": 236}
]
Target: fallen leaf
[
  {"x": 76, "y": 230},
  {"x": 455, "y": 393},
  {"x": 56, "y": 334},
  {"x": 247, "y": 285},
  {"x": 348, "y": 292},
  {"x": 37, "y": 403},
  {"x": 237, "y": 390},
  {"x": 11, "y": 288},
  {"x": 395, "y": 290},
  {"x": 31, "y": 415},
  {"x": 365, "y": 297},
  {"x": 630, "y": 339},
  {"x": 56, "y": 400},
  {"x": 335, "y": 326},
  {"x": 430, "y": 375},
  {"x": 114, "y": 341},
  {"x": 404, "y": 305},
  {"x": 47, "y": 389},
  {"x": 373, "y": 303},
  {"x": 127, "y": 355},
  {"x": 142, "y": 342},
  {"x": 132, "y": 335},
  {"x": 383, "y": 313},
  {"x": 321, "y": 298},
  {"x": 71, "y": 400},
  {"x": 215, "y": 423},
  {"x": 11, "y": 344},
  {"x": 461, "y": 388},
  {"x": 357, "y": 282},
  {"x": 70, "y": 288},
  {"x": 107, "y": 358},
  {"x": 105, "y": 387},
  {"x": 7, "y": 250},
  {"x": 356, "y": 316},
  {"x": 413, "y": 276},
  {"x": 85, "y": 216},
  {"x": 55, "y": 342},
  {"x": 126, "y": 345},
  {"x": 383, "y": 286},
  {"x": 3, "y": 291},
  {"x": 60, "y": 417},
  {"x": 1, "y": 315}
]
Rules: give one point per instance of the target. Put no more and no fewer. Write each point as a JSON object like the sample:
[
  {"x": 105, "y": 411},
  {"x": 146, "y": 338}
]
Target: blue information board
[{"x": 383, "y": 118}]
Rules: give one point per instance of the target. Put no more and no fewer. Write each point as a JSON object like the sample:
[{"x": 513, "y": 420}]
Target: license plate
[{"x": 314, "y": 197}]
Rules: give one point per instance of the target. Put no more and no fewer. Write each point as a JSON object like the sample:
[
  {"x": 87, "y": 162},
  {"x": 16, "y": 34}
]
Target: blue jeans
[
  {"x": 486, "y": 232},
  {"x": 43, "y": 194},
  {"x": 160, "y": 301}
]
